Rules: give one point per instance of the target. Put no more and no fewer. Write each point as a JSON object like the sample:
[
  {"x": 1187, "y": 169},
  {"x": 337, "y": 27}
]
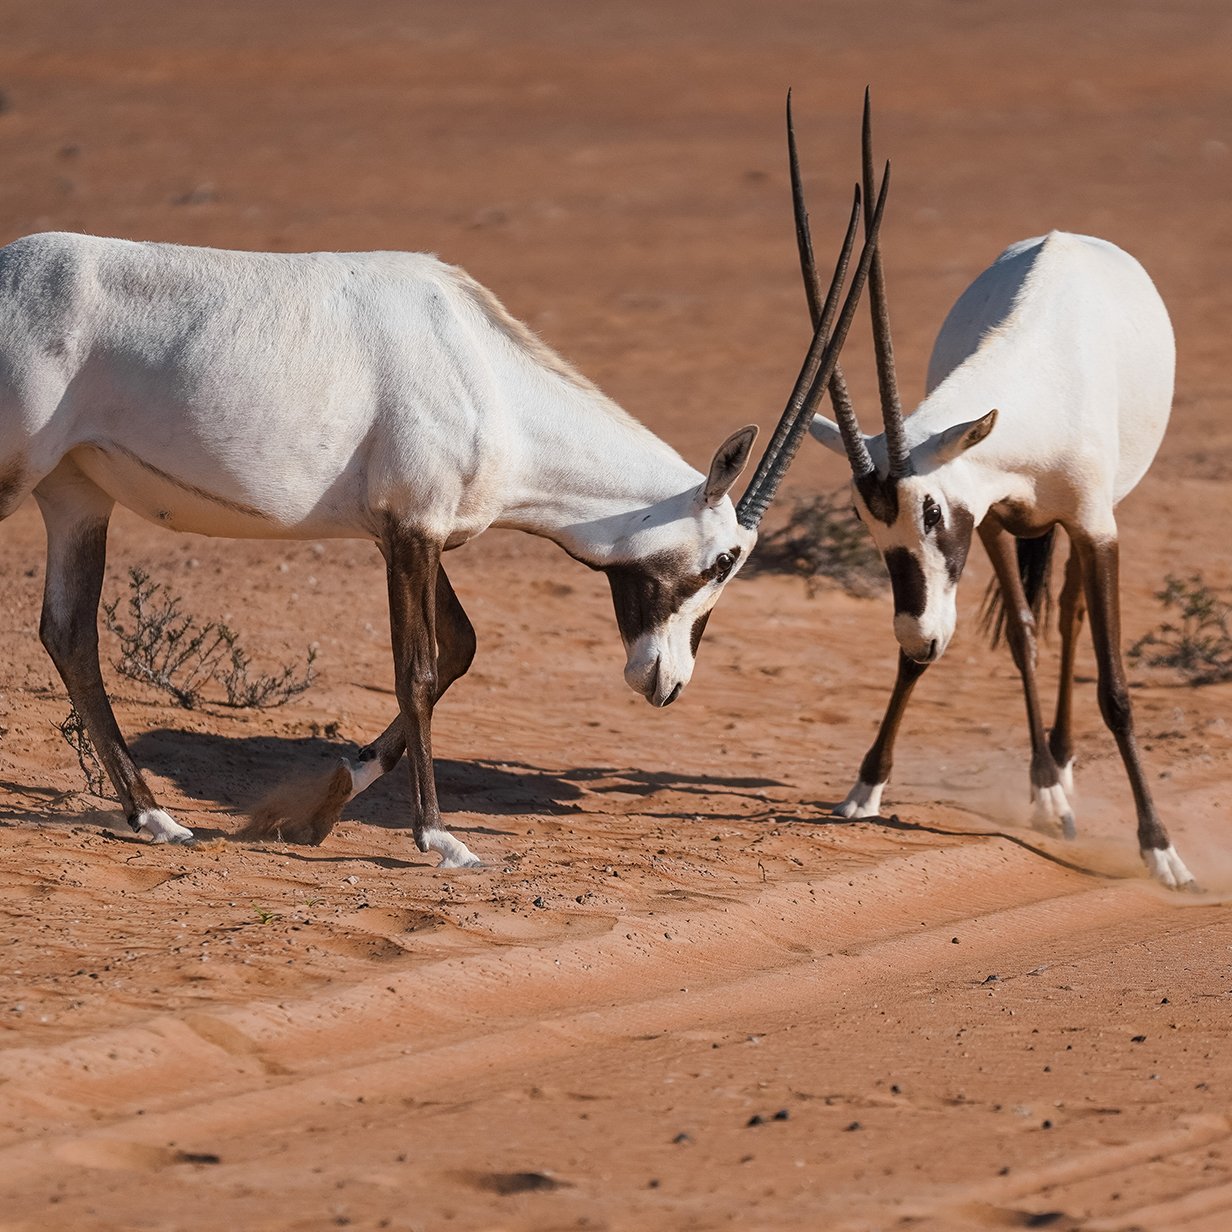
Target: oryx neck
[{"x": 589, "y": 475}]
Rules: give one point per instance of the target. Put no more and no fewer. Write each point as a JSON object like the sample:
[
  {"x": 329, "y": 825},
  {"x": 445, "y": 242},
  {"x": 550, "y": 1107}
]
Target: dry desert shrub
[
  {"x": 823, "y": 541},
  {"x": 1195, "y": 642},
  {"x": 162, "y": 646}
]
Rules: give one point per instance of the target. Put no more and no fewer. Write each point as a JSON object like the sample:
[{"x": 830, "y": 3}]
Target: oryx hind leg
[
  {"x": 864, "y": 799},
  {"x": 1052, "y": 806},
  {"x": 306, "y": 812},
  {"x": 1100, "y": 572},
  {"x": 1072, "y": 609},
  {"x": 76, "y": 513}
]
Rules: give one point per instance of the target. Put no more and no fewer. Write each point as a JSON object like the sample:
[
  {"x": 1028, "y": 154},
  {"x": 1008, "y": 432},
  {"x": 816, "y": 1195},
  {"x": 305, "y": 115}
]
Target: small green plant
[
  {"x": 78, "y": 739},
  {"x": 1197, "y": 642},
  {"x": 162, "y": 646},
  {"x": 265, "y": 917},
  {"x": 821, "y": 541}
]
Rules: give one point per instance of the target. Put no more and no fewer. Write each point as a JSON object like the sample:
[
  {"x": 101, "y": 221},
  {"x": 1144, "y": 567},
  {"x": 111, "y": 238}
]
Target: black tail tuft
[{"x": 1035, "y": 568}]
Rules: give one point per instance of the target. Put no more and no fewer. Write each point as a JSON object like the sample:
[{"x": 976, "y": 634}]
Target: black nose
[{"x": 675, "y": 693}]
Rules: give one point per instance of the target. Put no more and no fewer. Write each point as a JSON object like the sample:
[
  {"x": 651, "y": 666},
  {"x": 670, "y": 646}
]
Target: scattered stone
[
  {"x": 991, "y": 979},
  {"x": 197, "y": 1157},
  {"x": 1138, "y": 1039},
  {"x": 853, "y": 1127},
  {"x": 782, "y": 1115},
  {"x": 538, "y": 902},
  {"x": 681, "y": 1139},
  {"x": 755, "y": 1119},
  {"x": 953, "y": 940},
  {"x": 518, "y": 1182}
]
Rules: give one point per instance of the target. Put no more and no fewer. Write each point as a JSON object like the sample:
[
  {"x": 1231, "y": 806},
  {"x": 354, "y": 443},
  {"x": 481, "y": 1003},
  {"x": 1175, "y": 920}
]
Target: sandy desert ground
[{"x": 943, "y": 1019}]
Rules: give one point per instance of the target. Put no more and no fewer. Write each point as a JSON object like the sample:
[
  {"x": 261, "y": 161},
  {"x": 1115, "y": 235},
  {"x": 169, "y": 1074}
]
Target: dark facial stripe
[
  {"x": 907, "y": 582},
  {"x": 699, "y": 627},
  {"x": 954, "y": 540},
  {"x": 646, "y": 592},
  {"x": 880, "y": 494}
]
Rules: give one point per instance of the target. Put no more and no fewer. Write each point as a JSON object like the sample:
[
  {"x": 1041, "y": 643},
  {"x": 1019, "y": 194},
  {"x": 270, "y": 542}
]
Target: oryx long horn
[
  {"x": 887, "y": 382},
  {"x": 853, "y": 439},
  {"x": 817, "y": 368}
]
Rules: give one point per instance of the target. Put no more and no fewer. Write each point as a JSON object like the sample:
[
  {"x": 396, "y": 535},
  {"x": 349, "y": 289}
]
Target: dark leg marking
[
  {"x": 879, "y": 760},
  {"x": 306, "y": 813},
  {"x": 1100, "y": 572},
  {"x": 1020, "y": 633},
  {"x": 1072, "y": 609},
  {"x": 412, "y": 562},
  {"x": 68, "y": 628}
]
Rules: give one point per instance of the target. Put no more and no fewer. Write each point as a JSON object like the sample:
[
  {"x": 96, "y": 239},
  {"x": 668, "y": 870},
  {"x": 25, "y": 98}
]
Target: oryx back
[
  {"x": 1067, "y": 336},
  {"x": 243, "y": 394}
]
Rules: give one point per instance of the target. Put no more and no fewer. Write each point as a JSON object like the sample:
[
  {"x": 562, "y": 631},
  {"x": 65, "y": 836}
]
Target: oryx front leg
[
  {"x": 306, "y": 811},
  {"x": 76, "y": 513},
  {"x": 1048, "y": 794},
  {"x": 412, "y": 565},
  {"x": 864, "y": 799},
  {"x": 1100, "y": 569}
]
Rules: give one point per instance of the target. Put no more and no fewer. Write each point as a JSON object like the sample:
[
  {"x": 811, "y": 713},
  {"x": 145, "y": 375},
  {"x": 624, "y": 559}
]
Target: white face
[
  {"x": 674, "y": 569},
  {"x": 923, "y": 536}
]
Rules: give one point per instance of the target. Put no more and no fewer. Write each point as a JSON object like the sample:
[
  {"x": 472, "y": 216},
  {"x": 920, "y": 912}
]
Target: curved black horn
[
  {"x": 887, "y": 382},
  {"x": 817, "y": 369},
  {"x": 853, "y": 439}
]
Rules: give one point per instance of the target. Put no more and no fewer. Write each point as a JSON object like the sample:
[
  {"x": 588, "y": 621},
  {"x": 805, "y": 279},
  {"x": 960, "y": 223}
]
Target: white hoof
[
  {"x": 363, "y": 774},
  {"x": 454, "y": 852},
  {"x": 1052, "y": 809},
  {"x": 161, "y": 828},
  {"x": 1167, "y": 867},
  {"x": 863, "y": 800}
]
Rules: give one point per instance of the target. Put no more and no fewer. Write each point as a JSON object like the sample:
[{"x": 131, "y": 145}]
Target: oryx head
[
  {"x": 669, "y": 570},
  {"x": 909, "y": 498},
  {"x": 914, "y": 507}
]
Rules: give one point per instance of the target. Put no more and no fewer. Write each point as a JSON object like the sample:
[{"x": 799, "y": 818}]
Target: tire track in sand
[{"x": 189, "y": 1076}]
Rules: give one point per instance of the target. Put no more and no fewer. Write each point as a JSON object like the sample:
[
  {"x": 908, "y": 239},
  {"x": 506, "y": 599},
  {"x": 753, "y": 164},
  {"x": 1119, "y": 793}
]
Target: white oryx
[
  {"x": 1068, "y": 339},
  {"x": 383, "y": 396}
]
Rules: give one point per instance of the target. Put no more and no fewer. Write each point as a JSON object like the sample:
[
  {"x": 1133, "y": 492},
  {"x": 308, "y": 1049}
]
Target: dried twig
[{"x": 78, "y": 739}]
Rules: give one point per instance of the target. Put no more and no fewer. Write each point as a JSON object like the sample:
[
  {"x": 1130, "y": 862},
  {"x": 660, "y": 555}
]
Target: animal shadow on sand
[
  {"x": 894, "y": 822},
  {"x": 235, "y": 771}
]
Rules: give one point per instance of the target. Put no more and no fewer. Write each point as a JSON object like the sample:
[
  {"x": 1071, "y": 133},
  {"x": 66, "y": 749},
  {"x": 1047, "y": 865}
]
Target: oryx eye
[
  {"x": 723, "y": 565},
  {"x": 932, "y": 513}
]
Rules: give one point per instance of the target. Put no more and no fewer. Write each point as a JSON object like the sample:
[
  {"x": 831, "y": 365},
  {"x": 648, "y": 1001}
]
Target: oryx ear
[
  {"x": 958, "y": 439},
  {"x": 728, "y": 462},
  {"x": 829, "y": 434}
]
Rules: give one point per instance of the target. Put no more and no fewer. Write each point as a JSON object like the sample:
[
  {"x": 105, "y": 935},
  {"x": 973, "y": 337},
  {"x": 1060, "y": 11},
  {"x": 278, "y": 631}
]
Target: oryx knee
[{"x": 1114, "y": 705}]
